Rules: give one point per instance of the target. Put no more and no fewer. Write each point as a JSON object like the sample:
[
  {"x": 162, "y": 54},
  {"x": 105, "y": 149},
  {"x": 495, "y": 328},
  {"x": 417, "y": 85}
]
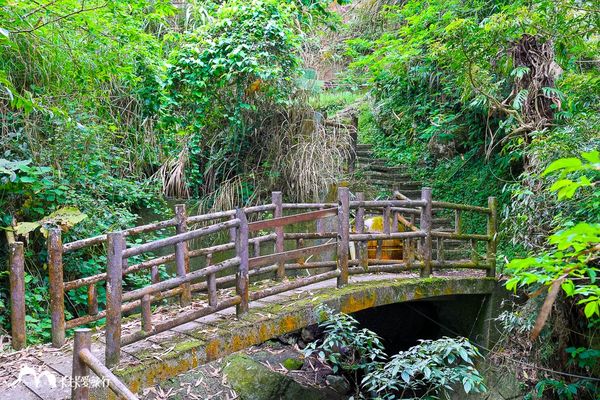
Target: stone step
[
  {"x": 399, "y": 175},
  {"x": 396, "y": 183},
  {"x": 401, "y": 180},
  {"x": 378, "y": 167},
  {"x": 370, "y": 160},
  {"x": 383, "y": 170},
  {"x": 365, "y": 156},
  {"x": 411, "y": 194},
  {"x": 397, "y": 187},
  {"x": 387, "y": 168},
  {"x": 364, "y": 146},
  {"x": 392, "y": 185}
]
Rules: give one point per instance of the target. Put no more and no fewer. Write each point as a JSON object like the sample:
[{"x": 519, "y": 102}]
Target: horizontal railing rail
[
  {"x": 292, "y": 219},
  {"x": 156, "y": 226}
]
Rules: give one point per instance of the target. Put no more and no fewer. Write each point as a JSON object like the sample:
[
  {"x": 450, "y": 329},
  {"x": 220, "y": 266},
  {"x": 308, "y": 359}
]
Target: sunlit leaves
[
  {"x": 566, "y": 188},
  {"x": 577, "y": 238},
  {"x": 565, "y": 166},
  {"x": 574, "y": 248}
]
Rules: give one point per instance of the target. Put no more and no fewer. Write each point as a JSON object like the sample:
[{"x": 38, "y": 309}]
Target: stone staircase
[
  {"x": 390, "y": 179},
  {"x": 379, "y": 174}
]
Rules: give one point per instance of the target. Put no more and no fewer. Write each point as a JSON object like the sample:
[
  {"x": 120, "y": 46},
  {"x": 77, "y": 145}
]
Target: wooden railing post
[
  {"x": 386, "y": 220},
  {"x": 320, "y": 224},
  {"x": 407, "y": 247},
  {"x": 125, "y": 260},
  {"x": 92, "y": 299},
  {"x": 211, "y": 283},
  {"x": 277, "y": 199},
  {"x": 17, "y": 295},
  {"x": 426, "y": 220},
  {"x": 343, "y": 234},
  {"x": 362, "y": 253},
  {"x": 474, "y": 252},
  {"x": 492, "y": 231},
  {"x": 257, "y": 249},
  {"x": 241, "y": 248},
  {"x": 457, "y": 221},
  {"x": 114, "y": 293},
  {"x": 300, "y": 244},
  {"x": 146, "y": 306},
  {"x": 57, "y": 287},
  {"x": 154, "y": 274},
  {"x": 395, "y": 216},
  {"x": 182, "y": 257},
  {"x": 441, "y": 257},
  {"x": 80, "y": 388}
]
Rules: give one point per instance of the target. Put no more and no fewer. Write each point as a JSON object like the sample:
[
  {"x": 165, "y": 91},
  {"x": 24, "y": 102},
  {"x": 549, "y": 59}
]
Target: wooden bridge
[{"x": 265, "y": 264}]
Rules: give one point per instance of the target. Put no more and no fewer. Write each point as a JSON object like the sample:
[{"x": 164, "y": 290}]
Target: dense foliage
[
  {"x": 110, "y": 107},
  {"x": 455, "y": 79},
  {"x": 107, "y": 106},
  {"x": 479, "y": 98},
  {"x": 429, "y": 370},
  {"x": 76, "y": 129}
]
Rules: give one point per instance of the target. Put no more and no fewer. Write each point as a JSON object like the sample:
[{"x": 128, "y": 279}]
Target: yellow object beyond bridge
[{"x": 241, "y": 277}]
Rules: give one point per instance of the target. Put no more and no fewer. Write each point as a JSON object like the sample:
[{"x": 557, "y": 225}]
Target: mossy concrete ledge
[{"x": 209, "y": 340}]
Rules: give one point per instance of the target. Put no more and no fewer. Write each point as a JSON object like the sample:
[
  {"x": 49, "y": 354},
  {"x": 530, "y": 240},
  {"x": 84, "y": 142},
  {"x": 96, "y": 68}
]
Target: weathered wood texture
[
  {"x": 17, "y": 295},
  {"x": 241, "y": 248},
  {"x": 182, "y": 256},
  {"x": 280, "y": 222},
  {"x": 362, "y": 253},
  {"x": 170, "y": 241},
  {"x": 114, "y": 293},
  {"x": 277, "y": 199},
  {"x": 426, "y": 224},
  {"x": 290, "y": 255},
  {"x": 343, "y": 234},
  {"x": 83, "y": 340},
  {"x": 57, "y": 288}
]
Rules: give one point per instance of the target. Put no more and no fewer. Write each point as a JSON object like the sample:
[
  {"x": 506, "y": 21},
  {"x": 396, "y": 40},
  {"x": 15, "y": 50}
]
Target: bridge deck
[{"x": 185, "y": 347}]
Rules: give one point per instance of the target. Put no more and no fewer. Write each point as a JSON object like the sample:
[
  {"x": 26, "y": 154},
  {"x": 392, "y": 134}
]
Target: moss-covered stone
[
  {"x": 253, "y": 381},
  {"x": 292, "y": 364}
]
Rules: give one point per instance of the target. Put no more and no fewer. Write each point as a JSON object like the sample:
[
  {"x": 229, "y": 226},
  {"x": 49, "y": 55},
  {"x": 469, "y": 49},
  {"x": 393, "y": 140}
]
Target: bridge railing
[
  {"x": 441, "y": 235},
  {"x": 409, "y": 222},
  {"x": 83, "y": 362}
]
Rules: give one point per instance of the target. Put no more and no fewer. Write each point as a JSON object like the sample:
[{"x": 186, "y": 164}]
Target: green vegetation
[
  {"x": 426, "y": 371},
  {"x": 109, "y": 106},
  {"x": 478, "y": 99},
  {"x": 77, "y": 128},
  {"x": 109, "y": 109}
]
